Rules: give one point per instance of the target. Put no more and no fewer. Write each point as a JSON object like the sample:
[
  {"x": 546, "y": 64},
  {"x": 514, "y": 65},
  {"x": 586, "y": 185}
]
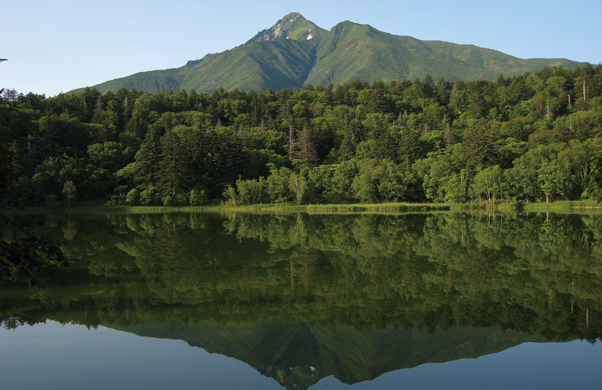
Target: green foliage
[
  {"x": 381, "y": 180},
  {"x": 168, "y": 201},
  {"x": 297, "y": 185},
  {"x": 198, "y": 196},
  {"x": 593, "y": 184},
  {"x": 27, "y": 255},
  {"x": 69, "y": 193},
  {"x": 487, "y": 183},
  {"x": 277, "y": 185},
  {"x": 133, "y": 197},
  {"x": 550, "y": 181},
  {"x": 357, "y": 142},
  {"x": 150, "y": 197},
  {"x": 231, "y": 196}
]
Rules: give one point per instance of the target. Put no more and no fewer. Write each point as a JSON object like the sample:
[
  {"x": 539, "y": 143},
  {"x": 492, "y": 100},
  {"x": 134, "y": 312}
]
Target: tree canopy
[{"x": 532, "y": 137}]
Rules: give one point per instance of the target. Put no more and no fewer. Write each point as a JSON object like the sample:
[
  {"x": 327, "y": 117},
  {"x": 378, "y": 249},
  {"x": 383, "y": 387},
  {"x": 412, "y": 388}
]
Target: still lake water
[{"x": 214, "y": 301}]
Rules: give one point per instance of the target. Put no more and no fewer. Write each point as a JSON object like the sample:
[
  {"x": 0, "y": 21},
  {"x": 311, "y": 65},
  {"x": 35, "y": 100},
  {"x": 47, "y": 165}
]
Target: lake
[{"x": 260, "y": 301}]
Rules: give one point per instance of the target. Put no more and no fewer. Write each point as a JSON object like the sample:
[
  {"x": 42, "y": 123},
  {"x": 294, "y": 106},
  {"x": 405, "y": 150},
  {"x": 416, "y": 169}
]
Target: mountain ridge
[
  {"x": 291, "y": 26},
  {"x": 295, "y": 52}
]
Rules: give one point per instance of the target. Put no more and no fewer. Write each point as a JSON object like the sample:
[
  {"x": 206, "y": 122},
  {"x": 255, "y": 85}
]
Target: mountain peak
[
  {"x": 291, "y": 26},
  {"x": 299, "y": 53}
]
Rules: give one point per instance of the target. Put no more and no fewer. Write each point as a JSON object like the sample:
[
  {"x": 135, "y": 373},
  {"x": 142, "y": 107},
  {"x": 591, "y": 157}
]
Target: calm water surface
[{"x": 269, "y": 301}]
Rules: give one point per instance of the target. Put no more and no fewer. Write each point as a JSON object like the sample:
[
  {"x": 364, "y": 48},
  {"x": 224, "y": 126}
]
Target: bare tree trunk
[{"x": 548, "y": 112}]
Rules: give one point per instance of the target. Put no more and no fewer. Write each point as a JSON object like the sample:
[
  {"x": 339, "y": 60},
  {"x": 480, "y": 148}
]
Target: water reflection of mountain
[
  {"x": 403, "y": 277},
  {"x": 297, "y": 355}
]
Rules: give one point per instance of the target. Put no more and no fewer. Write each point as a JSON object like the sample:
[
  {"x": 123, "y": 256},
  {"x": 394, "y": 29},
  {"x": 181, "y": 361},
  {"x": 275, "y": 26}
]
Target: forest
[{"x": 531, "y": 137}]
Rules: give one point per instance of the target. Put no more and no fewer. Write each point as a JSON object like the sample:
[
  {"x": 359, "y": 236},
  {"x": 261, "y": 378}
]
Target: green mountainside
[{"x": 295, "y": 51}]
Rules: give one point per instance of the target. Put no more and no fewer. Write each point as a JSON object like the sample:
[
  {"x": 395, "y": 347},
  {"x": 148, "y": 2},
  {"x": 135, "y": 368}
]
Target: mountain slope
[
  {"x": 352, "y": 51},
  {"x": 278, "y": 64},
  {"x": 295, "y": 51}
]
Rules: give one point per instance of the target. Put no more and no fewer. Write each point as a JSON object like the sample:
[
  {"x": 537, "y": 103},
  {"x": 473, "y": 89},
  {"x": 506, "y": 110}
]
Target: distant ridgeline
[
  {"x": 295, "y": 53},
  {"x": 533, "y": 137}
]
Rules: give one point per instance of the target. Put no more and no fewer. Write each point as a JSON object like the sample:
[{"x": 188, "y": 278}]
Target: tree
[
  {"x": 381, "y": 180},
  {"x": 478, "y": 144},
  {"x": 150, "y": 196},
  {"x": 488, "y": 183},
  {"x": 174, "y": 174},
  {"x": 306, "y": 149},
  {"x": 22, "y": 250},
  {"x": 250, "y": 191},
  {"x": 69, "y": 192},
  {"x": 593, "y": 181},
  {"x": 23, "y": 253},
  {"x": 133, "y": 197},
  {"x": 455, "y": 187},
  {"x": 550, "y": 180},
  {"x": 277, "y": 186},
  {"x": 297, "y": 185},
  {"x": 231, "y": 195},
  {"x": 198, "y": 196},
  {"x": 438, "y": 169},
  {"x": 448, "y": 135}
]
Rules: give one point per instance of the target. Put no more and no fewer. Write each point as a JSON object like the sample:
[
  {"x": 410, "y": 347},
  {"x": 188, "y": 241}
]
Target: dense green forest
[{"x": 532, "y": 137}]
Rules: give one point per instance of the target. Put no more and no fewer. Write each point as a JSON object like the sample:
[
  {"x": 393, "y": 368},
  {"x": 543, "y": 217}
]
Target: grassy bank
[
  {"x": 557, "y": 207},
  {"x": 562, "y": 205},
  {"x": 276, "y": 208},
  {"x": 340, "y": 208},
  {"x": 387, "y": 207}
]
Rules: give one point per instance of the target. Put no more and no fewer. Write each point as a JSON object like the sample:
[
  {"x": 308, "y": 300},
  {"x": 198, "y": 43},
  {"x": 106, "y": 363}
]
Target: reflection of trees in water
[
  {"x": 471, "y": 268},
  {"x": 26, "y": 255},
  {"x": 534, "y": 274}
]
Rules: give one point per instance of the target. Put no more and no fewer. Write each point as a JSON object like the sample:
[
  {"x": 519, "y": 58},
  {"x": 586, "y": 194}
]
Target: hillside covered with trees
[{"x": 532, "y": 137}]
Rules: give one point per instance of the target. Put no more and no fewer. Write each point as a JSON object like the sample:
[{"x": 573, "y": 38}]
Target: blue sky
[{"x": 60, "y": 45}]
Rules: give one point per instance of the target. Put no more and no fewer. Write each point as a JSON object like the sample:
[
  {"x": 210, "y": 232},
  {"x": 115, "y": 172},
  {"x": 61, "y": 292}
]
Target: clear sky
[{"x": 57, "y": 46}]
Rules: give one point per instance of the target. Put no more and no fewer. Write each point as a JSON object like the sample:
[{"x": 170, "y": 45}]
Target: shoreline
[{"x": 358, "y": 208}]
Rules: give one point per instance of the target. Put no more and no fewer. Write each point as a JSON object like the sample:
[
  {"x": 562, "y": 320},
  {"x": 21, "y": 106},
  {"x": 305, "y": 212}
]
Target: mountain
[
  {"x": 295, "y": 52},
  {"x": 298, "y": 356},
  {"x": 292, "y": 26}
]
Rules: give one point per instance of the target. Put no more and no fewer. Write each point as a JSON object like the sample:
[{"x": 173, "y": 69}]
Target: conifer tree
[{"x": 306, "y": 148}]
